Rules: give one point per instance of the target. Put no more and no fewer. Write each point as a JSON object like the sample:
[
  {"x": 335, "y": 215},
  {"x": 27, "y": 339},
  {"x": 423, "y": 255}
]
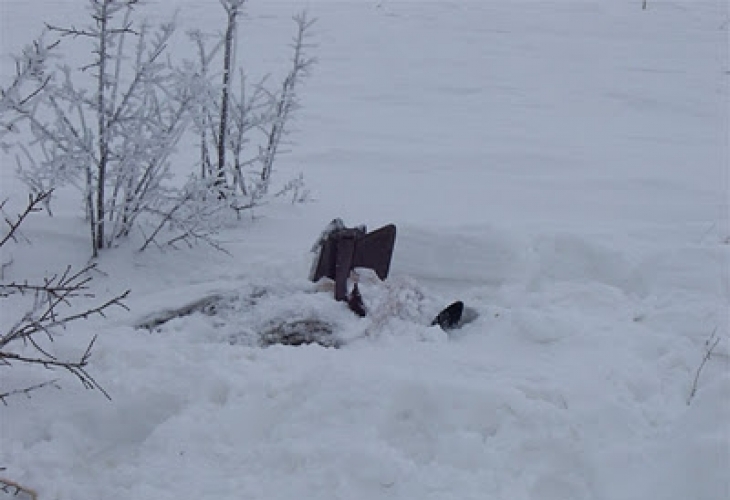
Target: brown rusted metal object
[{"x": 342, "y": 249}]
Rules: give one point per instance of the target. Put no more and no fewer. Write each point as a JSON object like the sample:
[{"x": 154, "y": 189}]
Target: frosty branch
[
  {"x": 247, "y": 127},
  {"x": 287, "y": 100},
  {"x": 28, "y": 340},
  {"x": 28, "y": 82},
  {"x": 13, "y": 225},
  {"x": 110, "y": 128},
  {"x": 191, "y": 214},
  {"x": 111, "y": 134}
]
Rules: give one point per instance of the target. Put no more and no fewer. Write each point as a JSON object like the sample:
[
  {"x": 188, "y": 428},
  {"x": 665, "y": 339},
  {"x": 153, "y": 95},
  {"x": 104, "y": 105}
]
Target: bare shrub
[{"x": 29, "y": 340}]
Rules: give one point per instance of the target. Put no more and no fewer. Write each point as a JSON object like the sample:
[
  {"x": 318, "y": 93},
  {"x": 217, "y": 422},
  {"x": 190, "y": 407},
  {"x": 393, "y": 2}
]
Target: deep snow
[{"x": 562, "y": 167}]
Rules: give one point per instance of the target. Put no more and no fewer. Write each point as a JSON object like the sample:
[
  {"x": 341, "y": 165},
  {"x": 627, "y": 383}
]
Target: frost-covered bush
[
  {"x": 241, "y": 126},
  {"x": 110, "y": 127}
]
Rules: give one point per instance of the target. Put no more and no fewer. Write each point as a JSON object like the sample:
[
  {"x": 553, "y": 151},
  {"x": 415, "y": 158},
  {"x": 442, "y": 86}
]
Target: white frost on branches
[
  {"x": 246, "y": 127},
  {"x": 111, "y": 128}
]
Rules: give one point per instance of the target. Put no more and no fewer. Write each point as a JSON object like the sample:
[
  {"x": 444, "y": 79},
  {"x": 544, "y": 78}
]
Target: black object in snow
[
  {"x": 355, "y": 302},
  {"x": 449, "y": 318}
]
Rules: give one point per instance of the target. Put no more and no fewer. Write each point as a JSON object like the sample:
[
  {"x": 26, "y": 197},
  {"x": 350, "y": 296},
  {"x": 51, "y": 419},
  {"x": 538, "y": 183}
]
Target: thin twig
[
  {"x": 27, "y": 390},
  {"x": 31, "y": 207},
  {"x": 710, "y": 345}
]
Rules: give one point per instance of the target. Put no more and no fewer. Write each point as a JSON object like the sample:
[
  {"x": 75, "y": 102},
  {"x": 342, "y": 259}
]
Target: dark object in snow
[
  {"x": 342, "y": 249},
  {"x": 449, "y": 318},
  {"x": 355, "y": 302},
  {"x": 300, "y": 332}
]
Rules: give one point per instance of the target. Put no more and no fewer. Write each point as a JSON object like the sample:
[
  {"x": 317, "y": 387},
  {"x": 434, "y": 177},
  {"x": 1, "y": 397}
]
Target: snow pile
[{"x": 563, "y": 387}]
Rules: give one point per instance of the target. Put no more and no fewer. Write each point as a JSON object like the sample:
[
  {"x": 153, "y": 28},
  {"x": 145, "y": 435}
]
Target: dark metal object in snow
[
  {"x": 342, "y": 249},
  {"x": 449, "y": 318}
]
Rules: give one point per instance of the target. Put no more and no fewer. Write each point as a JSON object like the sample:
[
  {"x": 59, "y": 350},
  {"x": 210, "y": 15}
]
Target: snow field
[
  {"x": 560, "y": 389},
  {"x": 559, "y": 166}
]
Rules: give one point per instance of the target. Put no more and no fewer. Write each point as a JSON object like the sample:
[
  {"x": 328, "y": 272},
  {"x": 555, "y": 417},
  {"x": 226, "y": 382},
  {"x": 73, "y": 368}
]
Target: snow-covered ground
[{"x": 562, "y": 167}]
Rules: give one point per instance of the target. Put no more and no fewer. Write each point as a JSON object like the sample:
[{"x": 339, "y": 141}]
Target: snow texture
[{"x": 561, "y": 167}]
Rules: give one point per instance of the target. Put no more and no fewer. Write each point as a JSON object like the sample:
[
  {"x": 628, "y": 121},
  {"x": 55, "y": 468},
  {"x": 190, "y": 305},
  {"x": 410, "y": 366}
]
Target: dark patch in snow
[{"x": 300, "y": 332}]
